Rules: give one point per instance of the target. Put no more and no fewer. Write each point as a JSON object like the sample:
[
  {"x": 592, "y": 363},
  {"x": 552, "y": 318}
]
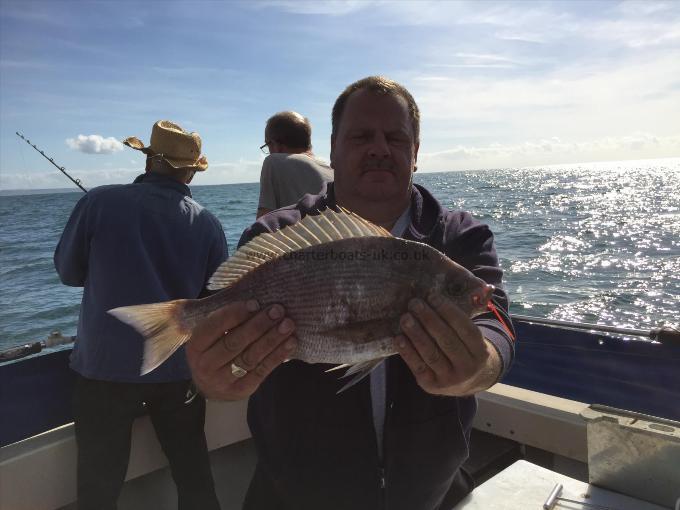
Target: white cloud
[
  {"x": 94, "y": 144},
  {"x": 217, "y": 173},
  {"x": 637, "y": 8},
  {"x": 48, "y": 180},
  {"x": 479, "y": 61},
  {"x": 11, "y": 65},
  {"x": 636, "y": 33},
  {"x": 230, "y": 172},
  {"x": 327, "y": 7},
  {"x": 550, "y": 151},
  {"x": 573, "y": 102},
  {"x": 541, "y": 152}
]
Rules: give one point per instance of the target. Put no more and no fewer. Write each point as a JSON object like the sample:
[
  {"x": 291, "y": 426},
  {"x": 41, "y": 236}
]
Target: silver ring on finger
[{"x": 237, "y": 371}]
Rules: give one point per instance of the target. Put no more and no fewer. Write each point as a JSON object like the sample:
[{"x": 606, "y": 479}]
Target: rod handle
[
  {"x": 666, "y": 335},
  {"x": 20, "y": 351}
]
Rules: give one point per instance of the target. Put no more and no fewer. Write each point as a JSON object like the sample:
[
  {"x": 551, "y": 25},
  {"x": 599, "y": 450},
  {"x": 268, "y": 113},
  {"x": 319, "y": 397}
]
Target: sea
[{"x": 595, "y": 243}]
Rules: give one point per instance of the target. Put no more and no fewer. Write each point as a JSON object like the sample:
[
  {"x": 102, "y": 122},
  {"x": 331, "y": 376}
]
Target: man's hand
[
  {"x": 238, "y": 334},
  {"x": 445, "y": 350}
]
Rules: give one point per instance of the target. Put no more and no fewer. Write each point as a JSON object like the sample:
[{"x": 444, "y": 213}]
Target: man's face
[{"x": 373, "y": 153}]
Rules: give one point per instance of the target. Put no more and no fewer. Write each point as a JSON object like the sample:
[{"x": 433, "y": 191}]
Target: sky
[{"x": 499, "y": 84}]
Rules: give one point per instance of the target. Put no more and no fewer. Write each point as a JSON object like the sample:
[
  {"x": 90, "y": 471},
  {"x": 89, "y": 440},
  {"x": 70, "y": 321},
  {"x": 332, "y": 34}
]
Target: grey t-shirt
[{"x": 286, "y": 178}]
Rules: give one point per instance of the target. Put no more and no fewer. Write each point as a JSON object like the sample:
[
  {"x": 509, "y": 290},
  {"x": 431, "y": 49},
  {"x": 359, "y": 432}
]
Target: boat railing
[{"x": 662, "y": 334}]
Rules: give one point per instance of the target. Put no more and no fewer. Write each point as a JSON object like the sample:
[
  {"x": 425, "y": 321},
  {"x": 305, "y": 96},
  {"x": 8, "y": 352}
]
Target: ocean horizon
[
  {"x": 597, "y": 243},
  {"x": 666, "y": 161}
]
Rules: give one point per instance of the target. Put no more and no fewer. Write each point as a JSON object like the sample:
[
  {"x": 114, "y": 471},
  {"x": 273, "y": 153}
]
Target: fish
[{"x": 344, "y": 281}]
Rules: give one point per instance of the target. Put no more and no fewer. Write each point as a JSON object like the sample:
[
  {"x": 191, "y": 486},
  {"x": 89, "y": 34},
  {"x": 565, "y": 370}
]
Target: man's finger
[
  {"x": 255, "y": 376},
  {"x": 427, "y": 348},
  {"x": 253, "y": 355},
  {"x": 235, "y": 341},
  {"x": 423, "y": 374},
  {"x": 440, "y": 331},
  {"x": 215, "y": 324},
  {"x": 467, "y": 331}
]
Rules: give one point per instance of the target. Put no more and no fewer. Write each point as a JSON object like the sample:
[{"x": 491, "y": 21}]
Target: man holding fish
[
  {"x": 397, "y": 438},
  {"x": 320, "y": 450}
]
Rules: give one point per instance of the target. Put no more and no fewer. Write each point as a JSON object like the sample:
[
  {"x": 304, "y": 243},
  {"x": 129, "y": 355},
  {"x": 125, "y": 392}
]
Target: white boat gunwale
[{"x": 39, "y": 473}]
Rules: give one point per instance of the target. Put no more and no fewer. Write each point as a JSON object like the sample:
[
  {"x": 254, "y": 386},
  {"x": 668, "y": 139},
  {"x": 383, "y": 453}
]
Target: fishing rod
[
  {"x": 61, "y": 168},
  {"x": 664, "y": 334},
  {"x": 55, "y": 338}
]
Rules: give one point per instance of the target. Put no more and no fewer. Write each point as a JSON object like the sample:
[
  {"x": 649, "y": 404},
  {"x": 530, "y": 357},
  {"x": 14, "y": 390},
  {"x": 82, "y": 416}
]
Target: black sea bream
[{"x": 344, "y": 282}]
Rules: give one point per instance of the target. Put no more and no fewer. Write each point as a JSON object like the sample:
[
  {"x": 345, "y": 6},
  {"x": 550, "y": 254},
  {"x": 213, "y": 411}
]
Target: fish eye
[{"x": 454, "y": 288}]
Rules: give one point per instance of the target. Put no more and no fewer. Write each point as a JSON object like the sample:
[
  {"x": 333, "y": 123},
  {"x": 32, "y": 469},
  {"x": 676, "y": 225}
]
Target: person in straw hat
[{"x": 128, "y": 244}]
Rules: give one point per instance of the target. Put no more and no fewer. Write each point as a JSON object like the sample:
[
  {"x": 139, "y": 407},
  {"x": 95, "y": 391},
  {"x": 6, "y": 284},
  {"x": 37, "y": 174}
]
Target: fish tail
[{"x": 163, "y": 326}]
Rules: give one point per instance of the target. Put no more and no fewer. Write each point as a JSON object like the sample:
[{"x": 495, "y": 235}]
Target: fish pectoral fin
[
  {"x": 365, "y": 331},
  {"x": 338, "y": 367},
  {"x": 359, "y": 371}
]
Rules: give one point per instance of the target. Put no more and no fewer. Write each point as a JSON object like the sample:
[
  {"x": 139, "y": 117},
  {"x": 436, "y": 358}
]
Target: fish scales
[
  {"x": 343, "y": 308},
  {"x": 345, "y": 287}
]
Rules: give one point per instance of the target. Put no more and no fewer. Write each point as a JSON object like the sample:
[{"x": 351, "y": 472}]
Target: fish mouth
[{"x": 481, "y": 297}]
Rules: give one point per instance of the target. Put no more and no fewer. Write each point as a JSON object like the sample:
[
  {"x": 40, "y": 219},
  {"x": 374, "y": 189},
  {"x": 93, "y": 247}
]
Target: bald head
[{"x": 288, "y": 132}]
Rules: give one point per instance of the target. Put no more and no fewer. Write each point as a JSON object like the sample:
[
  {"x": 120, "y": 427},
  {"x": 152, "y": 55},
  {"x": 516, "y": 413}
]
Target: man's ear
[
  {"x": 332, "y": 150},
  {"x": 415, "y": 157}
]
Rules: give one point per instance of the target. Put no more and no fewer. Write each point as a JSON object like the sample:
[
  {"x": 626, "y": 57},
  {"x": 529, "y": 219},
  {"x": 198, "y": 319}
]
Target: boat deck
[{"x": 232, "y": 467}]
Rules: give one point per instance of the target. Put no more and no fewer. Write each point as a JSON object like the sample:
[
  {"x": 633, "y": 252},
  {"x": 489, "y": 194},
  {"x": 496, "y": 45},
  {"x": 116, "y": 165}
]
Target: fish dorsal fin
[{"x": 325, "y": 227}]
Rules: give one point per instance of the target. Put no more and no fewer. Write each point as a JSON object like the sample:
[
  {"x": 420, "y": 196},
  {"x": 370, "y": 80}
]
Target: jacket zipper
[
  {"x": 389, "y": 405},
  {"x": 382, "y": 477}
]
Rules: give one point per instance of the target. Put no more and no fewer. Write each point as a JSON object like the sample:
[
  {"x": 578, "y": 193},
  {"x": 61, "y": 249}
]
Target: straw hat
[{"x": 169, "y": 141}]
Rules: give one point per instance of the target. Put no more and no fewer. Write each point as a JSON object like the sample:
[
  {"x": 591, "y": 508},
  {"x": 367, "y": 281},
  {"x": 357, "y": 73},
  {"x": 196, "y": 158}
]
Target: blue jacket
[
  {"x": 131, "y": 244},
  {"x": 317, "y": 449}
]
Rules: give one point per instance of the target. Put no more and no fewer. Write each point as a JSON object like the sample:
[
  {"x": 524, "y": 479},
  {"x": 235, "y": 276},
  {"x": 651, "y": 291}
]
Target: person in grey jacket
[{"x": 290, "y": 170}]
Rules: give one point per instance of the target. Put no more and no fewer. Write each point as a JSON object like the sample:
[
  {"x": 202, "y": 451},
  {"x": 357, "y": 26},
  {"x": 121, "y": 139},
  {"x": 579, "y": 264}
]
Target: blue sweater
[
  {"x": 317, "y": 449},
  {"x": 132, "y": 244}
]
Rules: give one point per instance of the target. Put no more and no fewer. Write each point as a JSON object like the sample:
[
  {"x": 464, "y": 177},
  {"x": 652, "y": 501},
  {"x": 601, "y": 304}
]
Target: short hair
[
  {"x": 159, "y": 166},
  {"x": 378, "y": 85},
  {"x": 291, "y": 129}
]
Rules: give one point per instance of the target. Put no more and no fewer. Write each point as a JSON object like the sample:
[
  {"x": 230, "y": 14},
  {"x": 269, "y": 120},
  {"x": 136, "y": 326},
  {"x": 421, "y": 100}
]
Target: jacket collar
[
  {"x": 164, "y": 182},
  {"x": 426, "y": 212}
]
